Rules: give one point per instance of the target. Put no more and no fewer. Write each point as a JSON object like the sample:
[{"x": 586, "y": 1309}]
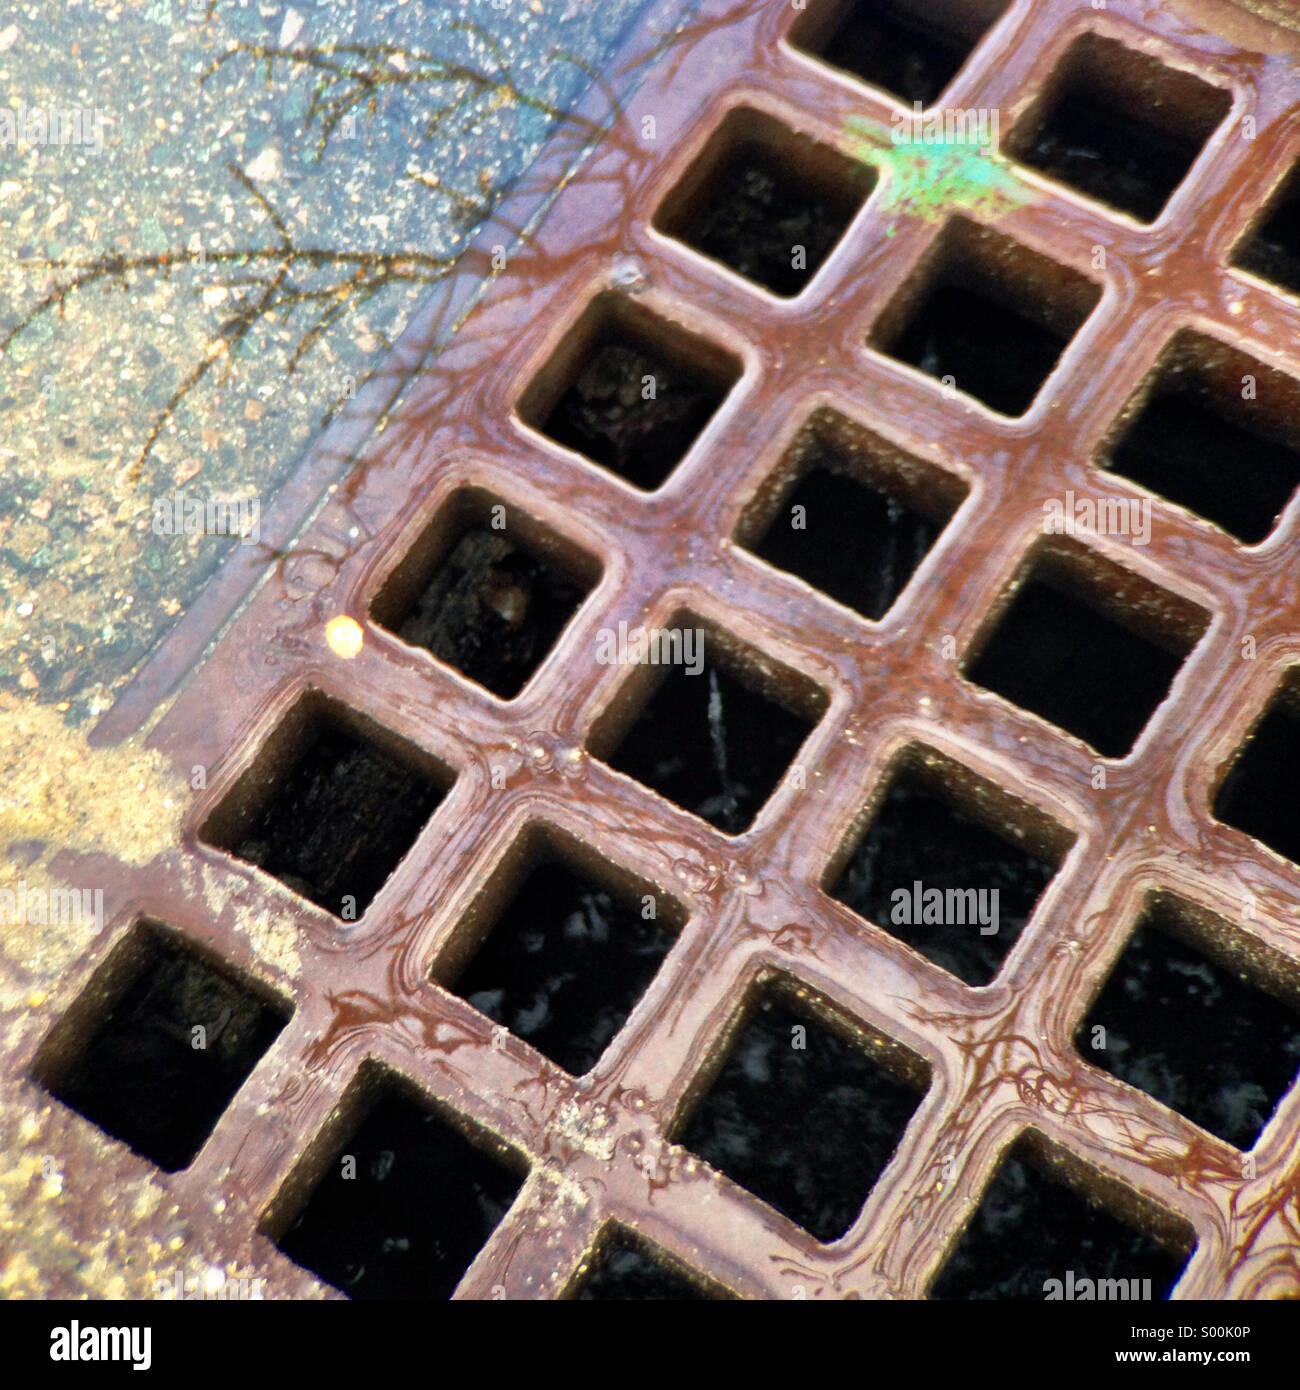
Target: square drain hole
[
  {"x": 1258, "y": 795},
  {"x": 486, "y": 591},
  {"x": 803, "y": 1117},
  {"x": 1119, "y": 126},
  {"x": 629, "y": 391},
  {"x": 1271, "y": 249},
  {"x": 329, "y": 807},
  {"x": 1089, "y": 647},
  {"x": 943, "y": 880},
  {"x": 1215, "y": 434},
  {"x": 912, "y": 48},
  {"x": 1191, "y": 1030},
  {"x": 625, "y": 1269},
  {"x": 1036, "y": 1237},
  {"x": 717, "y": 731},
  {"x": 850, "y": 514},
  {"x": 572, "y": 946},
  {"x": 766, "y": 202},
  {"x": 986, "y": 316},
  {"x": 404, "y": 1206},
  {"x": 156, "y": 1048}
]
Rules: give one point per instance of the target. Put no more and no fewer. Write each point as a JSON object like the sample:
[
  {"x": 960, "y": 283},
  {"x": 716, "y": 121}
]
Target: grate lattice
[{"x": 888, "y": 336}]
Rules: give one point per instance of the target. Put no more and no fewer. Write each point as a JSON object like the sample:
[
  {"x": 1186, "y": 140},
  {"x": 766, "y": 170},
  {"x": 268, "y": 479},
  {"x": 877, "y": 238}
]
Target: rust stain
[{"x": 1001, "y": 1059}]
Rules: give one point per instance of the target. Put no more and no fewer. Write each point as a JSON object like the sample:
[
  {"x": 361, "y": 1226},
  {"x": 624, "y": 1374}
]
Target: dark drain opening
[
  {"x": 1193, "y": 1031},
  {"x": 986, "y": 316},
  {"x": 629, "y": 391},
  {"x": 1089, "y": 647},
  {"x": 1119, "y": 125},
  {"x": 766, "y": 202},
  {"x": 157, "y": 1046},
  {"x": 946, "y": 882},
  {"x": 802, "y": 1116},
  {"x": 850, "y": 514},
  {"x": 718, "y": 731},
  {"x": 404, "y": 1206},
  {"x": 626, "y": 1270},
  {"x": 1215, "y": 433},
  {"x": 1259, "y": 793},
  {"x": 570, "y": 947},
  {"x": 912, "y": 48},
  {"x": 330, "y": 806},
  {"x": 1271, "y": 249},
  {"x": 487, "y": 592},
  {"x": 1035, "y": 1226}
]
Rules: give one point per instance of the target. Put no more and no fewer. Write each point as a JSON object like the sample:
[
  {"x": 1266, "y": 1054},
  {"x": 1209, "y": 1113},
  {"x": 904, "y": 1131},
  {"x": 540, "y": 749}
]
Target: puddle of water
[{"x": 95, "y": 566}]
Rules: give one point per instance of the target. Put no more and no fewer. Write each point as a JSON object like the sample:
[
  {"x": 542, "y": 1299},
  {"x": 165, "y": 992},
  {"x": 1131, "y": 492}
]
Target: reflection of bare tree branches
[
  {"x": 354, "y": 76},
  {"x": 268, "y": 281},
  {"x": 682, "y": 40},
  {"x": 323, "y": 285},
  {"x": 269, "y": 286}
]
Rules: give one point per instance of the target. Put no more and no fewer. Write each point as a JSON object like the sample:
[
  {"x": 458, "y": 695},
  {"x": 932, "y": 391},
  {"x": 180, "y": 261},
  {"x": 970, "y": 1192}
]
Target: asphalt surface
[{"x": 91, "y": 575}]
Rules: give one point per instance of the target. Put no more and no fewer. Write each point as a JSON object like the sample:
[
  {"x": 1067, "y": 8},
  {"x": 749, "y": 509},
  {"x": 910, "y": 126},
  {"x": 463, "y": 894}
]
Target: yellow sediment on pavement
[{"x": 57, "y": 793}]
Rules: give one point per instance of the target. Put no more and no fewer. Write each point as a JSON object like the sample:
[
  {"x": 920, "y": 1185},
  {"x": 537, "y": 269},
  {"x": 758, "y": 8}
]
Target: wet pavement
[
  {"x": 88, "y": 582},
  {"x": 374, "y": 1011}
]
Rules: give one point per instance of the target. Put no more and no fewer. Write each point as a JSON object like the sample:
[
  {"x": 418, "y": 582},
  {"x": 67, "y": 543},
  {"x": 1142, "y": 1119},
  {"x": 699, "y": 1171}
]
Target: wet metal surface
[{"x": 986, "y": 1067}]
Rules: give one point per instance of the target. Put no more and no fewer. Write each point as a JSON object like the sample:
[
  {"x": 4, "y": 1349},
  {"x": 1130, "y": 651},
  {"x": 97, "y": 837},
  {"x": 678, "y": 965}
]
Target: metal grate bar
[{"x": 1000, "y": 1060}]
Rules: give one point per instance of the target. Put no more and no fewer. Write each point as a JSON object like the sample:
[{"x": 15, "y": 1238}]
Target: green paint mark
[{"x": 930, "y": 181}]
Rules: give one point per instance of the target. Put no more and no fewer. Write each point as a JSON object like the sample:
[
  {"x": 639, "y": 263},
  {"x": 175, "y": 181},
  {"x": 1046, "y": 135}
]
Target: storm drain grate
[{"x": 603, "y": 913}]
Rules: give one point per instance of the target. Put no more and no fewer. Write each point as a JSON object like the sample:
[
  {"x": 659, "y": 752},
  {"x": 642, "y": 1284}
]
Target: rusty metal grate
[{"x": 872, "y": 371}]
